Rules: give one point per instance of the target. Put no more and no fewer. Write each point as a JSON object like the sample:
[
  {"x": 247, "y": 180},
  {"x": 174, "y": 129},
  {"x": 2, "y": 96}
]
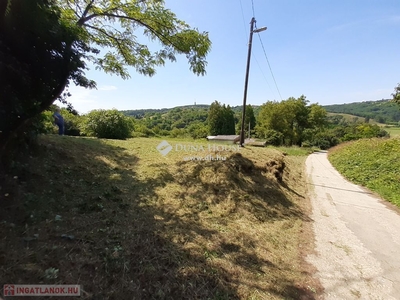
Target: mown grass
[
  {"x": 126, "y": 222},
  {"x": 394, "y": 131},
  {"x": 373, "y": 163}
]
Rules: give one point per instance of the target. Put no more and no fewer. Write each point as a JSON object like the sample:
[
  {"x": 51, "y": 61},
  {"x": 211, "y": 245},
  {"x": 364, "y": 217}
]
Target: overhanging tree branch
[
  {"x": 117, "y": 40},
  {"x": 160, "y": 36}
]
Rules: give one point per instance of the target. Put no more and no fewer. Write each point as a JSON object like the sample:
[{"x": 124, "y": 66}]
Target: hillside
[
  {"x": 139, "y": 113},
  {"x": 350, "y": 119},
  {"x": 373, "y": 163},
  {"x": 125, "y": 222},
  {"x": 382, "y": 111}
]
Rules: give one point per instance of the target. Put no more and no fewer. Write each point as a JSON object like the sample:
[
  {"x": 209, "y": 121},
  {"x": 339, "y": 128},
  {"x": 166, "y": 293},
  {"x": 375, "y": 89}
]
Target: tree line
[
  {"x": 289, "y": 122},
  {"x": 382, "y": 111}
]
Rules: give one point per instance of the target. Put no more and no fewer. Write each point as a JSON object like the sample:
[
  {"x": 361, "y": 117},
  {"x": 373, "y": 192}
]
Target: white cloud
[{"x": 83, "y": 100}]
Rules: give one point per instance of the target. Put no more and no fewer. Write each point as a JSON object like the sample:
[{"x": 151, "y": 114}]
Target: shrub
[
  {"x": 142, "y": 130},
  {"x": 273, "y": 137},
  {"x": 72, "y": 123},
  {"x": 44, "y": 123},
  {"x": 109, "y": 124},
  {"x": 198, "y": 130},
  {"x": 177, "y": 132}
]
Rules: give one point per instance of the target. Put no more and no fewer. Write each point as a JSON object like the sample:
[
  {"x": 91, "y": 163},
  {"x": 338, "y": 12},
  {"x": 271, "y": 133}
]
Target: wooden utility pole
[{"x": 253, "y": 20}]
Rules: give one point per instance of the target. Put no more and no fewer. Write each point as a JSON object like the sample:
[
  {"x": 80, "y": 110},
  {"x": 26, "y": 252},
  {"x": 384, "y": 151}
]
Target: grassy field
[
  {"x": 127, "y": 222},
  {"x": 354, "y": 119},
  {"x": 394, "y": 131},
  {"x": 373, "y": 163}
]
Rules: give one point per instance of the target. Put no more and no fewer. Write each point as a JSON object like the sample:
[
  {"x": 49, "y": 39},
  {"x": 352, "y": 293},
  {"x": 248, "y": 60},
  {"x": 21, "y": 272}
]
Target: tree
[
  {"x": 96, "y": 22},
  {"x": 249, "y": 118},
  {"x": 317, "y": 116},
  {"x": 221, "y": 119},
  {"x": 37, "y": 61},
  {"x": 271, "y": 117},
  {"x": 396, "y": 94},
  {"x": 297, "y": 118},
  {"x": 43, "y": 62},
  {"x": 291, "y": 118}
]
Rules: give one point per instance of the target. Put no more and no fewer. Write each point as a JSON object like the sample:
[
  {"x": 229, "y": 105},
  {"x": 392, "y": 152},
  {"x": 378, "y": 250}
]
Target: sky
[{"x": 332, "y": 52}]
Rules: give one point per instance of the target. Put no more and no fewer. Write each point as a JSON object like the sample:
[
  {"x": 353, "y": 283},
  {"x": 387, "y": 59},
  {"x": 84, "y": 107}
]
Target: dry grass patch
[{"x": 148, "y": 226}]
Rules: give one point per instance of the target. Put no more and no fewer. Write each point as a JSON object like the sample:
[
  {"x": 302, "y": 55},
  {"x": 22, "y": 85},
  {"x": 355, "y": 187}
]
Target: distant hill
[
  {"x": 382, "y": 111},
  {"x": 140, "y": 113}
]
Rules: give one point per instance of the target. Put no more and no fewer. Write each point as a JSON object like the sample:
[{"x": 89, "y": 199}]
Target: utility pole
[{"x": 242, "y": 132}]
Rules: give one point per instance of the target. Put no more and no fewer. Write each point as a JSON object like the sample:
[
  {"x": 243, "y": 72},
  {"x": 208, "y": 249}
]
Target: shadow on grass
[{"x": 85, "y": 211}]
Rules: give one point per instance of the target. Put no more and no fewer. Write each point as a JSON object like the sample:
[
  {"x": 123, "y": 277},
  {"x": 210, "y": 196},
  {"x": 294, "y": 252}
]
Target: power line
[
  {"x": 265, "y": 53},
  {"x": 244, "y": 21},
  {"x": 245, "y": 29},
  {"x": 265, "y": 77},
  {"x": 252, "y": 6}
]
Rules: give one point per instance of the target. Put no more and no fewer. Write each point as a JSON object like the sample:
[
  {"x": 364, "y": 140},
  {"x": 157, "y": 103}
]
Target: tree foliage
[
  {"x": 109, "y": 124},
  {"x": 39, "y": 54},
  {"x": 114, "y": 25},
  {"x": 45, "y": 45},
  {"x": 382, "y": 111},
  {"x": 249, "y": 119},
  {"x": 396, "y": 94},
  {"x": 290, "y": 118},
  {"x": 221, "y": 119}
]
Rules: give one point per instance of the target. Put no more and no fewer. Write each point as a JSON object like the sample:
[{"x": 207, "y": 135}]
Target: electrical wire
[
  {"x": 244, "y": 21},
  {"x": 265, "y": 77},
  {"x": 259, "y": 65},
  {"x": 265, "y": 53},
  {"x": 269, "y": 65}
]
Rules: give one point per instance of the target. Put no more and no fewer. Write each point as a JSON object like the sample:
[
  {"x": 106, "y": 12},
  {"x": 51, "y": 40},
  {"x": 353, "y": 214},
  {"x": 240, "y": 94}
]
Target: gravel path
[{"x": 357, "y": 237}]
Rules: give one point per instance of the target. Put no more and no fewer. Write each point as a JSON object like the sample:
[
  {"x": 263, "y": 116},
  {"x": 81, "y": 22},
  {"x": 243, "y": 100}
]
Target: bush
[
  {"x": 44, "y": 123},
  {"x": 273, "y": 137},
  {"x": 177, "y": 132},
  {"x": 198, "y": 130},
  {"x": 325, "y": 140},
  {"x": 142, "y": 131},
  {"x": 72, "y": 123},
  {"x": 109, "y": 124}
]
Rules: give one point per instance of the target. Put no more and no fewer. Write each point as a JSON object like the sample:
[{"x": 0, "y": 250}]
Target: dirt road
[{"x": 357, "y": 237}]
